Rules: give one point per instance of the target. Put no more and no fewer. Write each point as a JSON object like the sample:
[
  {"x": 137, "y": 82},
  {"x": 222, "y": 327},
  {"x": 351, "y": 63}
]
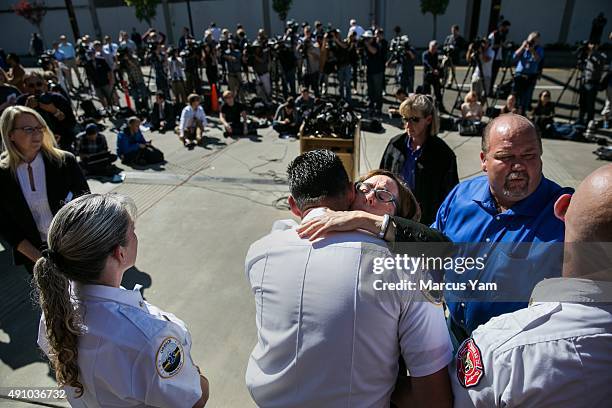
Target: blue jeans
[
  {"x": 344, "y": 82},
  {"x": 524, "y": 86}
]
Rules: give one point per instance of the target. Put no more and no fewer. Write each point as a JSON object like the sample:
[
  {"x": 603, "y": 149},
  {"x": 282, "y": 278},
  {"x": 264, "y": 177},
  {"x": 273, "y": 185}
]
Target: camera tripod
[{"x": 577, "y": 72}]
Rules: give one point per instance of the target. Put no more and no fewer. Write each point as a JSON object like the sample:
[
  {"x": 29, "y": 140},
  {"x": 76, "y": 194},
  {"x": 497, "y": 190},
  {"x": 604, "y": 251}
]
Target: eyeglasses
[
  {"x": 411, "y": 119},
  {"x": 30, "y": 130},
  {"x": 381, "y": 194}
]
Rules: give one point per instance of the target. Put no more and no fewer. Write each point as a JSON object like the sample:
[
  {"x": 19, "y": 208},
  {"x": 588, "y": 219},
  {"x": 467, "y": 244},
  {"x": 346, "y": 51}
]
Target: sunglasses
[
  {"x": 411, "y": 119},
  {"x": 381, "y": 194}
]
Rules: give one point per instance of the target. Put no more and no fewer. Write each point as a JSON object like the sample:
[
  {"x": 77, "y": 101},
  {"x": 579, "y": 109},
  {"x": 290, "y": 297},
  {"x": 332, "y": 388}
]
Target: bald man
[
  {"x": 512, "y": 203},
  {"x": 558, "y": 351}
]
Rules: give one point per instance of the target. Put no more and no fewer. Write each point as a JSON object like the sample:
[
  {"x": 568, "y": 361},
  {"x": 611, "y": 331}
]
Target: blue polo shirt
[
  {"x": 468, "y": 215},
  {"x": 410, "y": 163}
]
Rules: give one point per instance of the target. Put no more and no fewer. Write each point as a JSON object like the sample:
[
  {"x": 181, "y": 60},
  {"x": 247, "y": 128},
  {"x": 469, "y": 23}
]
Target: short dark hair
[
  {"x": 161, "y": 94},
  {"x": 315, "y": 176},
  {"x": 505, "y": 23},
  {"x": 290, "y": 103},
  {"x": 455, "y": 27},
  {"x": 400, "y": 91}
]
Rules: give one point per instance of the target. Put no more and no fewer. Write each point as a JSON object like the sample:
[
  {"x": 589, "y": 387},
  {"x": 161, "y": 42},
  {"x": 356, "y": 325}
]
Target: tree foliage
[
  {"x": 435, "y": 7},
  {"x": 282, "y": 8},
  {"x": 31, "y": 11},
  {"x": 145, "y": 10}
]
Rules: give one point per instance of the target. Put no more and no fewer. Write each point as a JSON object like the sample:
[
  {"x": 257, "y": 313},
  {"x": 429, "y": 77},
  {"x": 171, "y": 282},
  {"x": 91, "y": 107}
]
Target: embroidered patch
[
  {"x": 169, "y": 359},
  {"x": 469, "y": 364}
]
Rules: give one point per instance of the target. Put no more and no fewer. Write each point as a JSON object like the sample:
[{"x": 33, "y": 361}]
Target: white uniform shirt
[
  {"x": 35, "y": 194},
  {"x": 189, "y": 116},
  {"x": 555, "y": 353},
  {"x": 132, "y": 353},
  {"x": 324, "y": 339}
]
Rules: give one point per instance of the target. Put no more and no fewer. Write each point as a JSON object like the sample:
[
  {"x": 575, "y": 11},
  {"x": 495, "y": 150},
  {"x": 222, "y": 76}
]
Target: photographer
[
  {"x": 233, "y": 59},
  {"x": 481, "y": 56},
  {"x": 92, "y": 149},
  {"x": 342, "y": 51},
  {"x": 528, "y": 58},
  {"x": 16, "y": 72},
  {"x": 497, "y": 40},
  {"x": 311, "y": 55},
  {"x": 177, "y": 76},
  {"x": 192, "y": 57},
  {"x": 286, "y": 120},
  {"x": 432, "y": 74},
  {"x": 53, "y": 107},
  {"x": 157, "y": 60},
  {"x": 593, "y": 68},
  {"x": 261, "y": 66},
  {"x": 404, "y": 56},
  {"x": 288, "y": 63},
  {"x": 100, "y": 76},
  {"x": 138, "y": 89},
  {"x": 211, "y": 63},
  {"x": 453, "y": 45},
  {"x": 69, "y": 60},
  {"x": 233, "y": 117},
  {"x": 375, "y": 57},
  {"x": 132, "y": 148}
]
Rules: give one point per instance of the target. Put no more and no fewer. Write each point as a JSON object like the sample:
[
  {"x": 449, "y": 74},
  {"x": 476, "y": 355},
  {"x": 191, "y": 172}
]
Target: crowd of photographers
[{"x": 278, "y": 75}]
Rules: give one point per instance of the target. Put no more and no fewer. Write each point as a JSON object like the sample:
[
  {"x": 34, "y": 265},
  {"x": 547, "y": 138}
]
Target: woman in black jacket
[
  {"x": 420, "y": 157},
  {"x": 36, "y": 180}
]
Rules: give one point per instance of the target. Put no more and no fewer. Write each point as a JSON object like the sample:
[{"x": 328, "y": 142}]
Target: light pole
[
  {"x": 190, "y": 18},
  {"x": 73, "y": 21}
]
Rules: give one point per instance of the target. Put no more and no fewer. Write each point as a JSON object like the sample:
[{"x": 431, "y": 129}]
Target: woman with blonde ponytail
[{"x": 107, "y": 345}]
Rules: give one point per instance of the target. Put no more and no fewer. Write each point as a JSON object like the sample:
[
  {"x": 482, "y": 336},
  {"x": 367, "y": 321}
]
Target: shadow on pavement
[
  {"x": 19, "y": 316},
  {"x": 208, "y": 141}
]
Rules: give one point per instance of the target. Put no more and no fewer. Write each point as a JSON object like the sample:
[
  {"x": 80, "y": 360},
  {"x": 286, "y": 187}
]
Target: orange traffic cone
[{"x": 214, "y": 99}]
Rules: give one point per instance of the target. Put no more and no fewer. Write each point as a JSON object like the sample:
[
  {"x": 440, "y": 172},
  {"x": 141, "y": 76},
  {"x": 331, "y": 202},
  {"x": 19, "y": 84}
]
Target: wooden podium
[{"x": 346, "y": 149}]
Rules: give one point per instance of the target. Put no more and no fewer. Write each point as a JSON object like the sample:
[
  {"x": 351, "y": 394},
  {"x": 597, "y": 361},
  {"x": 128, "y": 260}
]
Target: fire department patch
[
  {"x": 169, "y": 359},
  {"x": 469, "y": 364}
]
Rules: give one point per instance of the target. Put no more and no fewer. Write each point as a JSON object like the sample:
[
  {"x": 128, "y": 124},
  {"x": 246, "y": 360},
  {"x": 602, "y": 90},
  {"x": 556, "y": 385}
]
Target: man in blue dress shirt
[{"x": 511, "y": 204}]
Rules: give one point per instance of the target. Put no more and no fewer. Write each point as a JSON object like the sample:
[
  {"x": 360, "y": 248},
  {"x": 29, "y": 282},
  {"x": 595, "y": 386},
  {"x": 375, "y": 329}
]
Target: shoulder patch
[
  {"x": 469, "y": 364},
  {"x": 170, "y": 358}
]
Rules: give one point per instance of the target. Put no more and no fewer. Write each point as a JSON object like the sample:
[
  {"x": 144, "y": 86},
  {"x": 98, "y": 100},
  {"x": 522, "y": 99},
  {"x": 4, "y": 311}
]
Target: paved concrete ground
[{"x": 198, "y": 215}]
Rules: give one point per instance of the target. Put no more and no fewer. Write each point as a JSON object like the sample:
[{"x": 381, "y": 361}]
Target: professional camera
[
  {"x": 45, "y": 61},
  {"x": 399, "y": 46},
  {"x": 582, "y": 52},
  {"x": 192, "y": 49}
]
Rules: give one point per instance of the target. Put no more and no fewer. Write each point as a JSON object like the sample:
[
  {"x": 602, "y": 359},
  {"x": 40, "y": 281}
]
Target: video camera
[{"x": 399, "y": 46}]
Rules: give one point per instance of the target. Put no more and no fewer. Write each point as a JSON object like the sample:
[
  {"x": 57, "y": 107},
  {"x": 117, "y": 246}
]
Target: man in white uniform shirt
[
  {"x": 558, "y": 351},
  {"x": 325, "y": 339}
]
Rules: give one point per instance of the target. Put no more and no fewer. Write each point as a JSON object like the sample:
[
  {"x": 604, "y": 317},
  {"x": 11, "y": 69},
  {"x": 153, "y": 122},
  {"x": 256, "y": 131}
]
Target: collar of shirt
[
  {"x": 120, "y": 294},
  {"x": 530, "y": 206},
  {"x": 411, "y": 151},
  {"x": 572, "y": 290},
  {"x": 36, "y": 164}
]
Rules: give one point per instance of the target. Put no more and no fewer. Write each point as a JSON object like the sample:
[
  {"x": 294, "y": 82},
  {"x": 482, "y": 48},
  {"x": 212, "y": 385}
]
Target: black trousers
[{"x": 588, "y": 96}]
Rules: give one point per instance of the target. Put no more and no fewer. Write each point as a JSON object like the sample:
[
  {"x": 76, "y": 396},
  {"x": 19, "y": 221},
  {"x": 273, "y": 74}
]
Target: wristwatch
[{"x": 384, "y": 226}]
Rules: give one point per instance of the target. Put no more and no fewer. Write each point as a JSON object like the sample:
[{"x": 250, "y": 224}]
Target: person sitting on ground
[
  {"x": 163, "y": 116},
  {"x": 132, "y": 148},
  {"x": 286, "y": 119},
  {"x": 233, "y": 117},
  {"x": 471, "y": 109},
  {"x": 400, "y": 96},
  {"x": 510, "y": 106},
  {"x": 544, "y": 114},
  {"x": 192, "y": 119},
  {"x": 304, "y": 104},
  {"x": 93, "y": 151}
]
